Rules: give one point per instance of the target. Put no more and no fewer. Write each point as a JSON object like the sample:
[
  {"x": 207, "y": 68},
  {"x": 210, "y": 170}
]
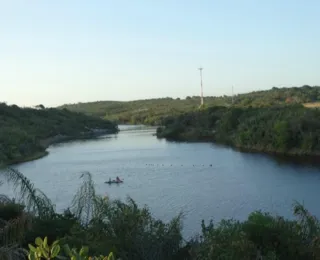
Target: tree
[{"x": 40, "y": 106}]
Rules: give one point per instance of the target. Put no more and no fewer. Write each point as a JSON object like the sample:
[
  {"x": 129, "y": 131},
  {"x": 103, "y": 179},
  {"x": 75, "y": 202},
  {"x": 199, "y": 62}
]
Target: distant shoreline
[
  {"x": 32, "y": 157},
  {"x": 288, "y": 131},
  {"x": 46, "y": 143},
  {"x": 296, "y": 154}
]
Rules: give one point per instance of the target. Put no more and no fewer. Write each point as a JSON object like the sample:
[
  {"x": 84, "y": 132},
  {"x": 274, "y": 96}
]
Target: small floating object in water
[{"x": 114, "y": 182}]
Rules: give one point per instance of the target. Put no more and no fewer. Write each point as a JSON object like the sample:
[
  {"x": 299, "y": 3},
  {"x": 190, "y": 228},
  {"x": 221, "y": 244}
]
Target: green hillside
[
  {"x": 153, "y": 111},
  {"x": 25, "y": 133},
  {"x": 291, "y": 129}
]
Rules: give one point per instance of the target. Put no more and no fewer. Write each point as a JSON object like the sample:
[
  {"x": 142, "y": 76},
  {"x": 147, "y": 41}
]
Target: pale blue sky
[{"x": 66, "y": 51}]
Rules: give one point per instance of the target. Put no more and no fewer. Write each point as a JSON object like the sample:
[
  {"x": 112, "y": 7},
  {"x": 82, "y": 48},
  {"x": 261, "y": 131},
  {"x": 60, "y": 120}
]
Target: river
[{"x": 203, "y": 180}]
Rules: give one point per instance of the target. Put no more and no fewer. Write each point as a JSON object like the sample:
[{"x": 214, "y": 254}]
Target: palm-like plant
[
  {"x": 86, "y": 205},
  {"x": 11, "y": 232},
  {"x": 34, "y": 202},
  {"x": 131, "y": 232}
]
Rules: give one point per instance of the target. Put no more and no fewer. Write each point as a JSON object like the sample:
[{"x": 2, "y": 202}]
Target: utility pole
[
  {"x": 201, "y": 86},
  {"x": 232, "y": 96}
]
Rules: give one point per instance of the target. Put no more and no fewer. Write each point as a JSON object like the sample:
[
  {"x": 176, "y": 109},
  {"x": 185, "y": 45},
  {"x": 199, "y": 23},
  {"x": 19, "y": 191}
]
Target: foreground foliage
[
  {"x": 154, "y": 111},
  {"x": 101, "y": 228},
  {"x": 104, "y": 226},
  {"x": 26, "y": 132},
  {"x": 44, "y": 251},
  {"x": 291, "y": 129},
  {"x": 262, "y": 235}
]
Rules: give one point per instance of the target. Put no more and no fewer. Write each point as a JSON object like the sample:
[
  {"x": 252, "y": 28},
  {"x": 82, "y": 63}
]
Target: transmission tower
[
  {"x": 200, "y": 69},
  {"x": 232, "y": 96}
]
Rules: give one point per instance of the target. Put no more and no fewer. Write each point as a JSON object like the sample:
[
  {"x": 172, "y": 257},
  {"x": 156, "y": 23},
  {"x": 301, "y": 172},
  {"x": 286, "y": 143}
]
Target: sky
[{"x": 57, "y": 52}]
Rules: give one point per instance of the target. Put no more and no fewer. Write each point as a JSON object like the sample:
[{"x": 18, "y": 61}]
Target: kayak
[{"x": 112, "y": 182}]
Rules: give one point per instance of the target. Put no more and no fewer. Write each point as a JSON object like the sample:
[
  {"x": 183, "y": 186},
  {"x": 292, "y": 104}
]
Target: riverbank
[
  {"x": 26, "y": 133},
  {"x": 290, "y": 130},
  {"x": 294, "y": 153},
  {"x": 299, "y": 156},
  {"x": 32, "y": 157},
  {"x": 55, "y": 140}
]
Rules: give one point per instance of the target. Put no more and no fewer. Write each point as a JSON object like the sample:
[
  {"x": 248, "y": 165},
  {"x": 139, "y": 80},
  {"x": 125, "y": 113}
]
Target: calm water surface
[{"x": 173, "y": 177}]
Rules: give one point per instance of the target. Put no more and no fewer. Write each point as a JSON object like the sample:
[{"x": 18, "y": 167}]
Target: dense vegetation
[
  {"x": 25, "y": 133},
  {"x": 290, "y": 129},
  {"x": 153, "y": 111},
  {"x": 130, "y": 232}
]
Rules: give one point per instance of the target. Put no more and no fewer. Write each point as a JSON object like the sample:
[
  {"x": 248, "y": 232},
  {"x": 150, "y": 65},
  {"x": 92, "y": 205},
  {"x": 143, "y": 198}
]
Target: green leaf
[
  {"x": 32, "y": 248},
  {"x": 38, "y": 241},
  {"x": 84, "y": 251},
  {"x": 74, "y": 251},
  {"x": 31, "y": 256},
  {"x": 67, "y": 250},
  {"x": 110, "y": 256},
  {"x": 55, "y": 242},
  {"x": 44, "y": 252},
  {"x": 45, "y": 242},
  {"x": 55, "y": 251}
]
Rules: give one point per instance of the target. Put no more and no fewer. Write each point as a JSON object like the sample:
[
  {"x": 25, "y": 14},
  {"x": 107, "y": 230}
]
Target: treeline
[
  {"x": 26, "y": 132},
  {"x": 148, "y": 112},
  {"x": 290, "y": 129},
  {"x": 278, "y": 96},
  {"x": 153, "y": 111},
  {"x": 132, "y": 233}
]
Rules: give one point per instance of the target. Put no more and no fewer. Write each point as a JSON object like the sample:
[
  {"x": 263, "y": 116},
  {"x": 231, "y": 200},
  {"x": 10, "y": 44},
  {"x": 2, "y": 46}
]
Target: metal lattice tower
[
  {"x": 232, "y": 96},
  {"x": 201, "y": 85}
]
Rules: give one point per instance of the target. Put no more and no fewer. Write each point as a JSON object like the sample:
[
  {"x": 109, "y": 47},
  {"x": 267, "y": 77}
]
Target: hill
[
  {"x": 290, "y": 129},
  {"x": 153, "y": 111},
  {"x": 25, "y": 133}
]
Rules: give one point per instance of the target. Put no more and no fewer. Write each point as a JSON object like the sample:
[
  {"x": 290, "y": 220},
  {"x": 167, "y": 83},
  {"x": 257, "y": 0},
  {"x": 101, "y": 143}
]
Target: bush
[{"x": 101, "y": 227}]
